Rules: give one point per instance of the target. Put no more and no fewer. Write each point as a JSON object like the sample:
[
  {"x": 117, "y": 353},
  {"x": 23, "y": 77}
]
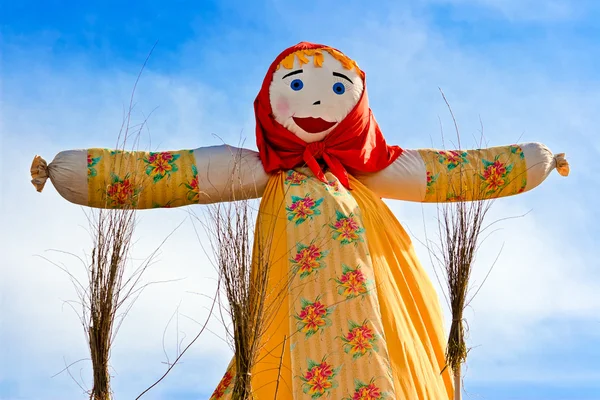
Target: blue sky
[{"x": 527, "y": 68}]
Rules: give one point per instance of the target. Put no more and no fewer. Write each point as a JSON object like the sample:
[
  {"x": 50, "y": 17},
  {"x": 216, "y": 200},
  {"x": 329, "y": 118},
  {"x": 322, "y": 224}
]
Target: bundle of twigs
[
  {"x": 241, "y": 250},
  {"x": 460, "y": 226},
  {"x": 244, "y": 281},
  {"x": 112, "y": 289},
  {"x": 108, "y": 294},
  {"x": 113, "y": 233}
]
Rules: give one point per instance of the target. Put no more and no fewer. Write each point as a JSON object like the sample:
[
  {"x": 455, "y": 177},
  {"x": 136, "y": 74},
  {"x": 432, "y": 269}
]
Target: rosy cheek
[{"x": 282, "y": 107}]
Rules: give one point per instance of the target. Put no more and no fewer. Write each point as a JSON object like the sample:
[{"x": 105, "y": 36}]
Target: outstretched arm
[
  {"x": 105, "y": 178},
  {"x": 429, "y": 175}
]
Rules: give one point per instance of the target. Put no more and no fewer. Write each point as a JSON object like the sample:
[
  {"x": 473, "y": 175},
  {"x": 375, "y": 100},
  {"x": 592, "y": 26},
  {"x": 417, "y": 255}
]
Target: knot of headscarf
[{"x": 317, "y": 150}]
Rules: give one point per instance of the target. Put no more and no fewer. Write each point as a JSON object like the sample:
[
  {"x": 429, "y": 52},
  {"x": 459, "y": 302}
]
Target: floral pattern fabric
[
  {"x": 350, "y": 325},
  {"x": 474, "y": 174},
  {"x": 118, "y": 179},
  {"x": 336, "y": 337},
  {"x": 336, "y": 329}
]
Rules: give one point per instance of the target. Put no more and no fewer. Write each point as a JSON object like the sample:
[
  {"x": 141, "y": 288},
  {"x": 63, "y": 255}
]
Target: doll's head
[
  {"x": 313, "y": 90},
  {"x": 313, "y": 106}
]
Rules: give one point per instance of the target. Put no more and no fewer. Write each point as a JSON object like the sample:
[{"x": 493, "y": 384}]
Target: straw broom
[
  {"x": 460, "y": 224},
  {"x": 113, "y": 235},
  {"x": 108, "y": 291},
  {"x": 109, "y": 294},
  {"x": 234, "y": 259},
  {"x": 243, "y": 268},
  {"x": 242, "y": 251}
]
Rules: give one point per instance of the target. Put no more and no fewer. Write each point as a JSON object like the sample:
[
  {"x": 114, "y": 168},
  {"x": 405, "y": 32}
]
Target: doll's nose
[{"x": 316, "y": 103}]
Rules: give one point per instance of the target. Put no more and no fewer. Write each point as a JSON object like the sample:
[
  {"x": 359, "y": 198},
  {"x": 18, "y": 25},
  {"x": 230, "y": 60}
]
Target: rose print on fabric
[
  {"x": 91, "y": 163},
  {"x": 319, "y": 379},
  {"x": 494, "y": 175},
  {"x": 346, "y": 228},
  {"x": 224, "y": 386},
  {"x": 366, "y": 391},
  {"x": 352, "y": 283},
  {"x": 431, "y": 180},
  {"x": 452, "y": 159},
  {"x": 308, "y": 259},
  {"x": 294, "y": 178},
  {"x": 360, "y": 340},
  {"x": 121, "y": 192},
  {"x": 193, "y": 186},
  {"x": 160, "y": 164},
  {"x": 313, "y": 317},
  {"x": 303, "y": 208}
]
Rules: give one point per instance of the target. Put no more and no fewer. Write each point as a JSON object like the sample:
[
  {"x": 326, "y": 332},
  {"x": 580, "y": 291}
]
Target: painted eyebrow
[
  {"x": 298, "y": 71},
  {"x": 343, "y": 76}
]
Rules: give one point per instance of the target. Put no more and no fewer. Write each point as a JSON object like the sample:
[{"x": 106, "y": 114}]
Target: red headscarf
[{"x": 355, "y": 143}]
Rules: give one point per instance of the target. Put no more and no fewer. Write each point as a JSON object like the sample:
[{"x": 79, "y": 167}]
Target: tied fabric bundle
[{"x": 355, "y": 143}]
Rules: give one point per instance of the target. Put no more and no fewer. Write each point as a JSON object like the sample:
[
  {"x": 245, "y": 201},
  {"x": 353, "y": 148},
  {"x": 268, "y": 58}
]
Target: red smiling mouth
[{"x": 313, "y": 125}]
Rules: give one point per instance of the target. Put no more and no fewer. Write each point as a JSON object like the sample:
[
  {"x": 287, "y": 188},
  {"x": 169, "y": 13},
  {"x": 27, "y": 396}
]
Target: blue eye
[
  {"x": 296, "y": 84},
  {"x": 339, "y": 88}
]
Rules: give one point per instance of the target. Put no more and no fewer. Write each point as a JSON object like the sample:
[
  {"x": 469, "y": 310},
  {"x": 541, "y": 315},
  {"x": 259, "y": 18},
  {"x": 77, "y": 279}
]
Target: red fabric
[{"x": 355, "y": 143}]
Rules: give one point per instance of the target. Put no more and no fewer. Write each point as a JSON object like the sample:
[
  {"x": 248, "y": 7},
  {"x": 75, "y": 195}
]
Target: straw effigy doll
[{"x": 360, "y": 318}]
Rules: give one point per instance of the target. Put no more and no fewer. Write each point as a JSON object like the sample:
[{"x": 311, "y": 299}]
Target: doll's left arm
[{"x": 436, "y": 176}]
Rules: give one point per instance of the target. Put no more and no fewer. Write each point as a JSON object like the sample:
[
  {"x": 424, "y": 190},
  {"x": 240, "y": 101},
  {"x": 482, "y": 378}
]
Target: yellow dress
[{"x": 360, "y": 318}]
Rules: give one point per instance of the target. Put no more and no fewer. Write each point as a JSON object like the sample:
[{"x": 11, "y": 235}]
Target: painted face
[{"x": 310, "y": 100}]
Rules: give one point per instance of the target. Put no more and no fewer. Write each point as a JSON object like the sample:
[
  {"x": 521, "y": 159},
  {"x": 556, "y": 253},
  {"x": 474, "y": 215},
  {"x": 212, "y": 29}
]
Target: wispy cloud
[{"x": 521, "y": 10}]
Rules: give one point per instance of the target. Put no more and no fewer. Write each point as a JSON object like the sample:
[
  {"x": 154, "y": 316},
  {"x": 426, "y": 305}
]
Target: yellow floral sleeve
[
  {"x": 458, "y": 175},
  {"x": 141, "y": 180}
]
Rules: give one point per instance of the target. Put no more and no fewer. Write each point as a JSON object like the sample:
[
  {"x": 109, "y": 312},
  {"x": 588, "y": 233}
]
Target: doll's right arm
[{"x": 104, "y": 178}]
